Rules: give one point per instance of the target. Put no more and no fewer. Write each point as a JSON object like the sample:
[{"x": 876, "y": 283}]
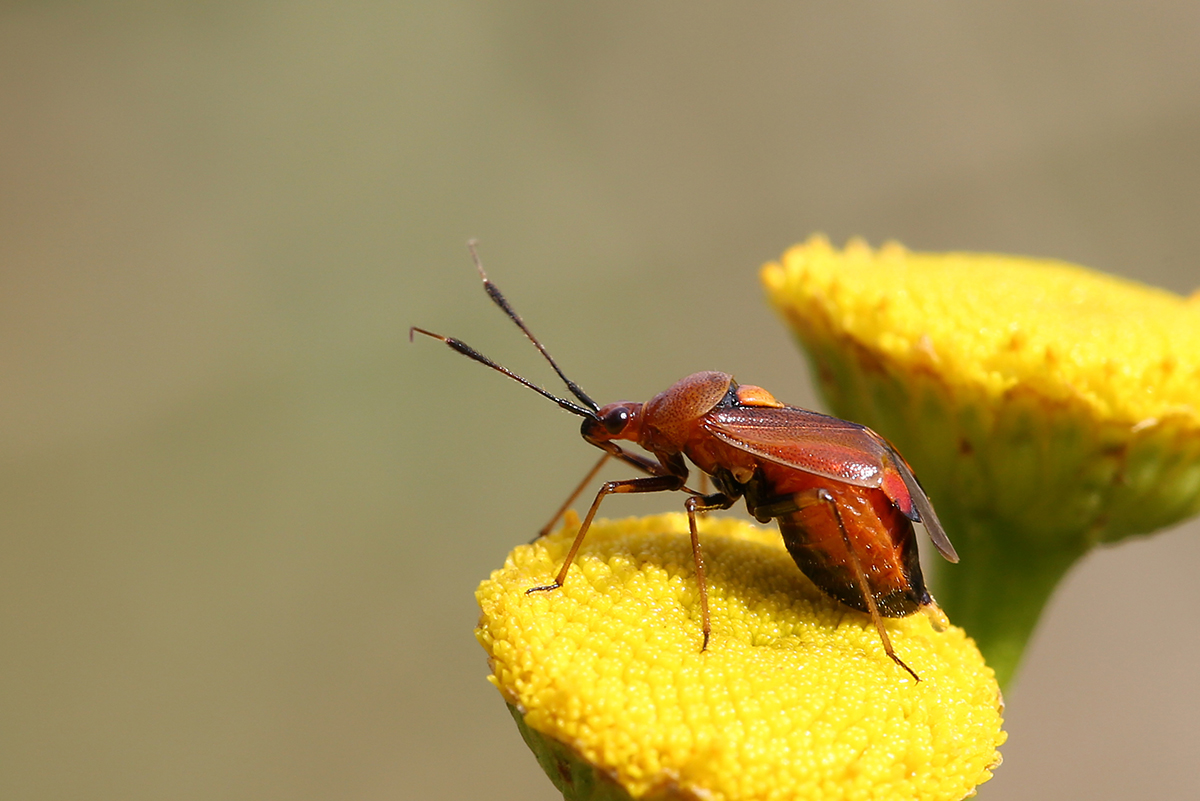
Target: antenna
[
  {"x": 499, "y": 299},
  {"x": 468, "y": 351}
]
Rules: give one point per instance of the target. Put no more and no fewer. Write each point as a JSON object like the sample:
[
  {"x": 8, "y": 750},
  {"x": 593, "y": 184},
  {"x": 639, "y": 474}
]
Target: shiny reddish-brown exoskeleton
[{"x": 844, "y": 498}]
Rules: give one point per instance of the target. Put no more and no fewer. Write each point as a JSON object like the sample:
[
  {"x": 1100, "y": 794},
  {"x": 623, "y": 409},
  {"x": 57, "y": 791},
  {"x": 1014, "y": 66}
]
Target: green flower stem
[{"x": 999, "y": 588}]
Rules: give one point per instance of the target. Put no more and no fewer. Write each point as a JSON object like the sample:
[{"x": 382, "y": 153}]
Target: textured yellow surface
[
  {"x": 1129, "y": 352},
  {"x": 1045, "y": 407},
  {"x": 794, "y": 697},
  {"x": 1059, "y": 403}
]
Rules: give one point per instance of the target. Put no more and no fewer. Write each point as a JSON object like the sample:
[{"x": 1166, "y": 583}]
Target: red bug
[{"x": 844, "y": 497}]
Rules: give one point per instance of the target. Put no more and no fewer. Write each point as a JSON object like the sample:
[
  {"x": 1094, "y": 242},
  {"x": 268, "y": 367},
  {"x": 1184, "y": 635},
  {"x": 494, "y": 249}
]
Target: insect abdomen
[{"x": 882, "y": 538}]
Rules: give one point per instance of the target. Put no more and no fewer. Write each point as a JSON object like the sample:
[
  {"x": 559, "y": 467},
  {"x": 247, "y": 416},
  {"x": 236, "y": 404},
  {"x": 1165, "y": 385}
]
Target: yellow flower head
[
  {"x": 794, "y": 697},
  {"x": 1044, "y": 407},
  {"x": 1089, "y": 384}
]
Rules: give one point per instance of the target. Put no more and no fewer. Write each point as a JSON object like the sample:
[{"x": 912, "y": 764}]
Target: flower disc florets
[{"x": 794, "y": 698}]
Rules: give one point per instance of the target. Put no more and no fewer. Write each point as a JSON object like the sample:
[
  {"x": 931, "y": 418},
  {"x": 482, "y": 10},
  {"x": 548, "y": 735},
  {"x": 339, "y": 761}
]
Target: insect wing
[
  {"x": 809, "y": 441},
  {"x": 828, "y": 446},
  {"x": 929, "y": 518}
]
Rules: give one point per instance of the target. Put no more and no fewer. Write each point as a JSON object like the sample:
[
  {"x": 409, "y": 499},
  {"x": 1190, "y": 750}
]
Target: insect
[{"x": 844, "y": 498}]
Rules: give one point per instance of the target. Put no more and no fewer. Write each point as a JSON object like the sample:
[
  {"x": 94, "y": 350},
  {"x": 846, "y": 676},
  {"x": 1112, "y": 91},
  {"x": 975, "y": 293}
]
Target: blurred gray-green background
[{"x": 241, "y": 518}]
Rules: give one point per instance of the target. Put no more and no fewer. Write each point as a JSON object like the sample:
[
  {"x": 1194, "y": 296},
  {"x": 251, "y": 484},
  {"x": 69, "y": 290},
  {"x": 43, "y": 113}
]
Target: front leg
[
  {"x": 612, "y": 450},
  {"x": 652, "y": 484},
  {"x": 574, "y": 494}
]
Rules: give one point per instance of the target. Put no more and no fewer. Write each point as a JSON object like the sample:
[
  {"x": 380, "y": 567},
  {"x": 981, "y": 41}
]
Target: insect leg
[
  {"x": 784, "y": 506},
  {"x": 646, "y": 465},
  {"x": 694, "y": 504},
  {"x": 611, "y": 450},
  {"x": 824, "y": 496},
  {"x": 807, "y": 499},
  {"x": 652, "y": 484},
  {"x": 574, "y": 494}
]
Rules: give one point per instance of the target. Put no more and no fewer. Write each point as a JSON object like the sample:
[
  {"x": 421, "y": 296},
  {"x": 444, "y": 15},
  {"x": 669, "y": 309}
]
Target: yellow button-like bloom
[
  {"x": 794, "y": 698},
  {"x": 1012, "y": 347},
  {"x": 1045, "y": 407}
]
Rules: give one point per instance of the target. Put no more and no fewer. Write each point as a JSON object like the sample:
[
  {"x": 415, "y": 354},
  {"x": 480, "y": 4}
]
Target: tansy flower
[
  {"x": 1045, "y": 408},
  {"x": 793, "y": 699}
]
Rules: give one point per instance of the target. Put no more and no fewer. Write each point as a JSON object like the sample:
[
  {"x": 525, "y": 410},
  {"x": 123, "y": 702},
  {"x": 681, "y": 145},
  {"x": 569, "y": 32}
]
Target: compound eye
[{"x": 615, "y": 420}]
